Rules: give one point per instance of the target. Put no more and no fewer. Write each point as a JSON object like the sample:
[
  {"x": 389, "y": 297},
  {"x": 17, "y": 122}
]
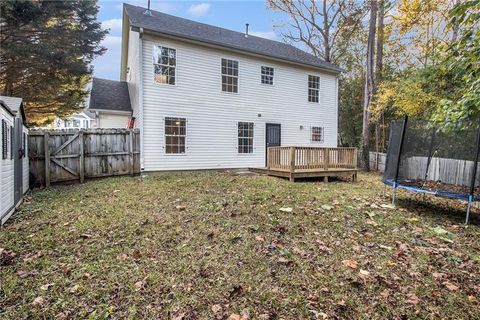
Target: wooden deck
[{"x": 308, "y": 162}]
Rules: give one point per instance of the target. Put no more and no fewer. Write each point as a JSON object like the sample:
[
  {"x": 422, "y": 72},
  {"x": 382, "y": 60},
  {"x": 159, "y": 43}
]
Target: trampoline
[{"x": 424, "y": 158}]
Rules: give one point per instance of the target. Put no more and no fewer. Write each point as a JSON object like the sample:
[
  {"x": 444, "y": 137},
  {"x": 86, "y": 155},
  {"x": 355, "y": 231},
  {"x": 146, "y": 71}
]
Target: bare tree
[
  {"x": 369, "y": 86},
  {"x": 379, "y": 67},
  {"x": 320, "y": 24}
]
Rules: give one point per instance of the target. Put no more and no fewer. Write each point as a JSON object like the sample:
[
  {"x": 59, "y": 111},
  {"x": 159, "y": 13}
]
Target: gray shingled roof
[
  {"x": 109, "y": 95},
  {"x": 13, "y": 103},
  {"x": 183, "y": 28}
]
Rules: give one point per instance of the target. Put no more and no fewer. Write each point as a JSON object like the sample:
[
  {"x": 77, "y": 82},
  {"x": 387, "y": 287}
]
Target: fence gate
[
  {"x": 67, "y": 155},
  {"x": 65, "y": 160}
]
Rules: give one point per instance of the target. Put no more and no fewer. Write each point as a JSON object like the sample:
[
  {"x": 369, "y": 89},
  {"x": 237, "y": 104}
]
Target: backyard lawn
[{"x": 214, "y": 245}]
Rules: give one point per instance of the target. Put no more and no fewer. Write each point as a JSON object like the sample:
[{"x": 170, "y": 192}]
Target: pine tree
[{"x": 46, "y": 48}]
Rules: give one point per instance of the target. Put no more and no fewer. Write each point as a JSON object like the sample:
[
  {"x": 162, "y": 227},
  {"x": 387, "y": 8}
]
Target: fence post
[
  {"x": 46, "y": 140},
  {"x": 130, "y": 149},
  {"x": 81, "y": 159}
]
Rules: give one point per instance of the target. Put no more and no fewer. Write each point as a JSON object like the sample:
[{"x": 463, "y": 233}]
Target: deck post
[{"x": 292, "y": 164}]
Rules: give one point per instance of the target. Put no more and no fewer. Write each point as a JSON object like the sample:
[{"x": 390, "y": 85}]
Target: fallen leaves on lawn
[
  {"x": 180, "y": 207},
  {"x": 285, "y": 209},
  {"x": 24, "y": 274},
  {"x": 139, "y": 285},
  {"x": 74, "y": 289},
  {"x": 450, "y": 286},
  {"x": 47, "y": 286},
  {"x": 216, "y": 308},
  {"x": 39, "y": 300},
  {"x": 32, "y": 257},
  {"x": 350, "y": 263},
  {"x": 235, "y": 316},
  {"x": 6, "y": 257},
  {"x": 122, "y": 257},
  {"x": 364, "y": 274},
  {"x": 326, "y": 207},
  {"x": 412, "y": 299}
]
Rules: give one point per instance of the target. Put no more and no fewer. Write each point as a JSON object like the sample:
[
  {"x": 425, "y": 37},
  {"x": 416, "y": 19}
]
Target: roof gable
[{"x": 191, "y": 30}]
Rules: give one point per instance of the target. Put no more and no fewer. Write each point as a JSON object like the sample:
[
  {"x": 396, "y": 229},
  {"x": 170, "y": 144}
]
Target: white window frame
[
  {"x": 159, "y": 46},
  {"x": 308, "y": 89},
  {"x": 253, "y": 139},
  {"x": 322, "y": 134},
  {"x": 273, "y": 76},
  {"x": 165, "y": 135},
  {"x": 238, "y": 75}
]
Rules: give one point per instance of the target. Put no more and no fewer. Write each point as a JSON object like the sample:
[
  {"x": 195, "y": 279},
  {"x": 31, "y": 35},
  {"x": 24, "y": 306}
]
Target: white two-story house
[{"x": 205, "y": 97}]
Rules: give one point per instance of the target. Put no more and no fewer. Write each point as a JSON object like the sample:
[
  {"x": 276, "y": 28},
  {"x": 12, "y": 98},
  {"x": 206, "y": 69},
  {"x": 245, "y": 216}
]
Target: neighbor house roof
[
  {"x": 5, "y": 106},
  {"x": 109, "y": 95},
  {"x": 15, "y": 104},
  {"x": 188, "y": 29}
]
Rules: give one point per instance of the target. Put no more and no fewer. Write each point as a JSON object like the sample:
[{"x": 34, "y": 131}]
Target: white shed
[{"x": 14, "y": 173}]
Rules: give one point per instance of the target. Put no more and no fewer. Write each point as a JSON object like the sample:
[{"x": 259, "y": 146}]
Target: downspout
[{"x": 140, "y": 99}]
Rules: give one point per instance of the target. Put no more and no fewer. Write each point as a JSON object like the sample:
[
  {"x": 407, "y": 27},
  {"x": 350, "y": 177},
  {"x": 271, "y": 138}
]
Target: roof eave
[{"x": 332, "y": 69}]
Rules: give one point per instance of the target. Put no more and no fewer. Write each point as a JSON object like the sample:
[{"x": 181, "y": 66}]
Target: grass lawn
[{"x": 212, "y": 245}]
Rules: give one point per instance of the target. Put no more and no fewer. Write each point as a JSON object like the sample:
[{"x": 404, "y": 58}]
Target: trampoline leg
[
  {"x": 394, "y": 193},
  {"x": 468, "y": 209}
]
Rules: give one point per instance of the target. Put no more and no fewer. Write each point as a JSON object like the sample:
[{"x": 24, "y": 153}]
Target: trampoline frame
[{"x": 470, "y": 197}]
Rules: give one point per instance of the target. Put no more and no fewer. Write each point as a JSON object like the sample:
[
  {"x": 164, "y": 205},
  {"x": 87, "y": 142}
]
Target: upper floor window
[
  {"x": 245, "y": 137},
  {"x": 229, "y": 75},
  {"x": 175, "y": 135},
  {"x": 164, "y": 63},
  {"x": 313, "y": 89},
  {"x": 317, "y": 134},
  {"x": 267, "y": 75}
]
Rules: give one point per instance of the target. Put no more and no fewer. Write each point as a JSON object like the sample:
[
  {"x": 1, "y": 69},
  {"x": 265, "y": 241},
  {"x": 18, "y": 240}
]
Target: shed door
[
  {"x": 273, "y": 137},
  {"x": 17, "y": 159}
]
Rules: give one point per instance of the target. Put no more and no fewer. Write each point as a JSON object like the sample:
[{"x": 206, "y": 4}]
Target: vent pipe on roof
[
  {"x": 148, "y": 12},
  {"x": 246, "y": 30}
]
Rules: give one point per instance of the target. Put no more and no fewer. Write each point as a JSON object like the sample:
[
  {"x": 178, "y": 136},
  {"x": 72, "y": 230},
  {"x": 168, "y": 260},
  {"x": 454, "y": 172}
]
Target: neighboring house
[
  {"x": 81, "y": 120},
  {"x": 206, "y": 97},
  {"x": 14, "y": 164},
  {"x": 110, "y": 103}
]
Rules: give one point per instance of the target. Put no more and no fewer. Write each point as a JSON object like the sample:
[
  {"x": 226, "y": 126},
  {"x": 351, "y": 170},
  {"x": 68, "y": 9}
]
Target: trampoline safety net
[{"x": 422, "y": 158}]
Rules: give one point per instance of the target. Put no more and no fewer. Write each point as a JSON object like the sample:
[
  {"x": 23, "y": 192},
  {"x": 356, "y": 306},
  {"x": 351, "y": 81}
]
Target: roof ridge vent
[{"x": 246, "y": 30}]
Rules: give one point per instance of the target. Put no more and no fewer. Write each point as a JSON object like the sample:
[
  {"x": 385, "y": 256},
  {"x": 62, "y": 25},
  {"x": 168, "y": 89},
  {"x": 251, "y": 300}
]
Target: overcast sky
[{"x": 227, "y": 14}]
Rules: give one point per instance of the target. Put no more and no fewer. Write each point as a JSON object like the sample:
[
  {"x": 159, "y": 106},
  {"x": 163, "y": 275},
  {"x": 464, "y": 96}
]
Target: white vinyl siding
[
  {"x": 213, "y": 116},
  {"x": 107, "y": 120},
  {"x": 6, "y": 170}
]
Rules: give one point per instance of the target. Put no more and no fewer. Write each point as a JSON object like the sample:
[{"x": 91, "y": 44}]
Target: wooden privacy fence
[
  {"x": 295, "y": 159},
  {"x": 68, "y": 155}
]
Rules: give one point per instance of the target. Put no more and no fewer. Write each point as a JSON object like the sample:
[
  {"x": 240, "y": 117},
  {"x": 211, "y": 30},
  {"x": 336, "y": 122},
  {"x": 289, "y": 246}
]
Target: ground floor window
[
  {"x": 317, "y": 134},
  {"x": 245, "y": 137},
  {"x": 175, "y": 135}
]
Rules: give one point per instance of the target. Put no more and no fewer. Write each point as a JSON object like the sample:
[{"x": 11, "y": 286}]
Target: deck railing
[{"x": 295, "y": 159}]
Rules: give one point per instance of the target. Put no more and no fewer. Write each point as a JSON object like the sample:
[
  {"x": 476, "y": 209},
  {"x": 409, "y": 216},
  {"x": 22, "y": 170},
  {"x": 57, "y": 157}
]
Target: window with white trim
[
  {"x": 267, "y": 75},
  {"x": 317, "y": 134},
  {"x": 245, "y": 137},
  {"x": 229, "y": 75},
  {"x": 164, "y": 64},
  {"x": 175, "y": 135},
  {"x": 313, "y": 89}
]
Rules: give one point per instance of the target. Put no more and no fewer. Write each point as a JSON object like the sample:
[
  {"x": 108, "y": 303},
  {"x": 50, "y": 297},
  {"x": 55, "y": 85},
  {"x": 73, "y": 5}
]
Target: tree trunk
[
  {"x": 379, "y": 69},
  {"x": 369, "y": 86},
  {"x": 326, "y": 32}
]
